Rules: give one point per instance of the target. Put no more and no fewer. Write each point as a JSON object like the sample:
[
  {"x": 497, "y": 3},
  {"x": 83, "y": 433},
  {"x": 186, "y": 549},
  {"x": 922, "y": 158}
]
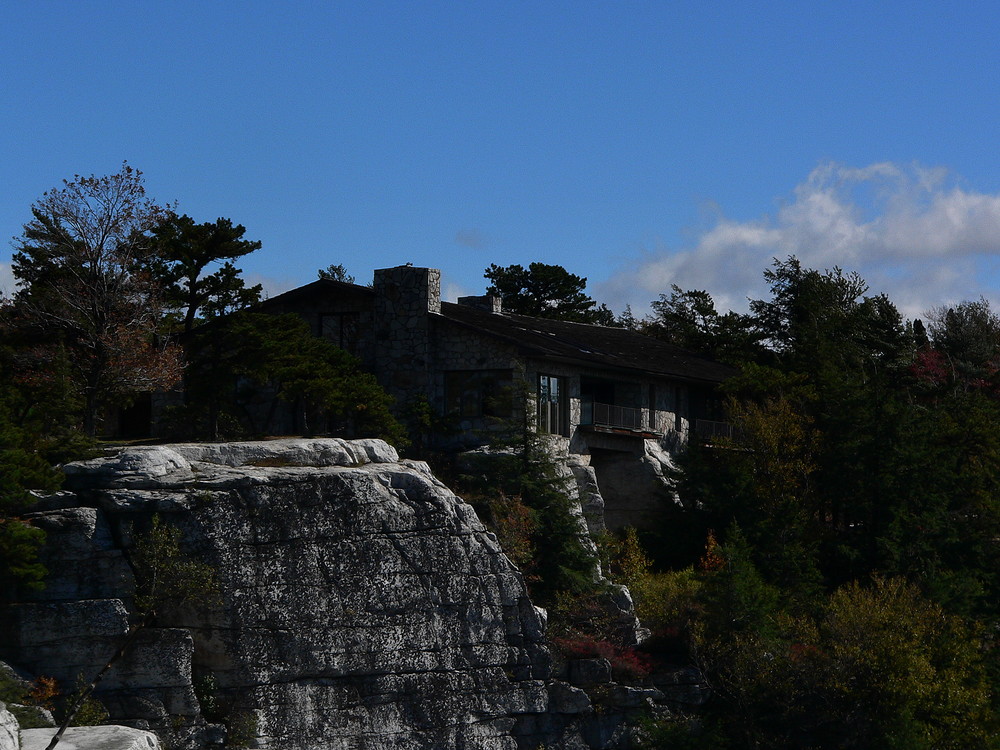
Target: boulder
[
  {"x": 588, "y": 492},
  {"x": 291, "y": 452},
  {"x": 139, "y": 466},
  {"x": 566, "y": 699},
  {"x": 636, "y": 487},
  {"x": 82, "y": 558},
  {"x": 587, "y": 672},
  {"x": 91, "y": 738}
]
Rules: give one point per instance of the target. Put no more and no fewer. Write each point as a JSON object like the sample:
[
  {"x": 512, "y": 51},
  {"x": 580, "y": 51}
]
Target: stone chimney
[
  {"x": 406, "y": 298},
  {"x": 487, "y": 302},
  {"x": 408, "y": 290}
]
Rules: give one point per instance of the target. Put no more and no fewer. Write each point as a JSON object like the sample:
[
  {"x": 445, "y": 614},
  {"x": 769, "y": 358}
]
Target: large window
[
  {"x": 478, "y": 393},
  {"x": 552, "y": 405}
]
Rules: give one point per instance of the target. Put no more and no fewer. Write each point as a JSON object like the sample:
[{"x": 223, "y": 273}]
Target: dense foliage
[
  {"x": 242, "y": 371},
  {"x": 21, "y": 469},
  {"x": 522, "y": 495},
  {"x": 855, "y": 596},
  {"x": 335, "y": 272},
  {"x": 184, "y": 251}
]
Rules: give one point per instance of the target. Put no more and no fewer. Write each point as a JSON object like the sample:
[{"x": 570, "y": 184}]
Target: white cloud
[{"x": 910, "y": 231}]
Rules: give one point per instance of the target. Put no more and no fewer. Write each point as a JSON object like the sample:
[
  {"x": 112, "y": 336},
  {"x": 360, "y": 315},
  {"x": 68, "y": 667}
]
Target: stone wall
[
  {"x": 637, "y": 488},
  {"x": 458, "y": 349}
]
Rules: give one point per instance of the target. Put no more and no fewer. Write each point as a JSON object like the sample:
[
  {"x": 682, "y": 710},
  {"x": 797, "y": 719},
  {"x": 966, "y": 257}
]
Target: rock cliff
[{"x": 363, "y": 605}]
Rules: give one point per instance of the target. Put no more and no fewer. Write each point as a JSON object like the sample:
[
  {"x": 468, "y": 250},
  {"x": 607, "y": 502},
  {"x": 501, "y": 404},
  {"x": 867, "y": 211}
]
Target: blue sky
[{"x": 639, "y": 144}]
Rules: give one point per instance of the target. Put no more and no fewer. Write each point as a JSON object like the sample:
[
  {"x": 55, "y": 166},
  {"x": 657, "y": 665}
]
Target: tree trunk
[{"x": 90, "y": 413}]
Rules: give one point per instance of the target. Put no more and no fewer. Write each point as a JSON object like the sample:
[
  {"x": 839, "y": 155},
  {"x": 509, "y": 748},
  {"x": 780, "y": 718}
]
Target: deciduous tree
[{"x": 82, "y": 266}]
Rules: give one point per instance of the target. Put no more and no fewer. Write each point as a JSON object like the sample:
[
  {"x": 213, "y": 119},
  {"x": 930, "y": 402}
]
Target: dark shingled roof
[
  {"x": 583, "y": 344},
  {"x": 576, "y": 343}
]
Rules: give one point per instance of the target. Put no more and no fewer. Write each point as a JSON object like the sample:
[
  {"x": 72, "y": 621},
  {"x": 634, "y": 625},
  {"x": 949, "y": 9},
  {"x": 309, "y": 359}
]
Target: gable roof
[
  {"x": 320, "y": 287},
  {"x": 583, "y": 344}
]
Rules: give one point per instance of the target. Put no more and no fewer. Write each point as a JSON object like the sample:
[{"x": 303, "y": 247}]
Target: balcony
[{"x": 606, "y": 415}]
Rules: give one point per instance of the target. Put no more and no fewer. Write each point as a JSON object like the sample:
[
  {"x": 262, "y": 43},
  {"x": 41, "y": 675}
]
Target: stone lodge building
[{"x": 599, "y": 391}]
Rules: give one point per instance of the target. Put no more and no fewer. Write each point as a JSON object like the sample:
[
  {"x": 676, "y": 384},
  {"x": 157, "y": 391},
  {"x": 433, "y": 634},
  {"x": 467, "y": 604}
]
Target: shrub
[
  {"x": 515, "y": 525},
  {"x": 242, "y": 728},
  {"x": 878, "y": 666},
  {"x": 43, "y": 692},
  {"x": 91, "y": 712},
  {"x": 668, "y": 601},
  {"x": 627, "y": 664}
]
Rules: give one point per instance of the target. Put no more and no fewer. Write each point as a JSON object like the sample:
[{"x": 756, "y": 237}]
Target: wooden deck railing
[{"x": 607, "y": 415}]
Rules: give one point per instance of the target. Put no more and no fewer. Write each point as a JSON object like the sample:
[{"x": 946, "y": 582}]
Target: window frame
[{"x": 551, "y": 414}]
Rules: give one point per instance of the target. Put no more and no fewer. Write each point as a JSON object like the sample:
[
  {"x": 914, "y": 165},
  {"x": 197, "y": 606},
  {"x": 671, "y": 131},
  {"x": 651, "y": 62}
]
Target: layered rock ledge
[{"x": 363, "y": 604}]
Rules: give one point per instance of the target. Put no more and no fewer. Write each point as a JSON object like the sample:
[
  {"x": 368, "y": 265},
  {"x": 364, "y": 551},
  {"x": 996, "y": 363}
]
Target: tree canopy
[
  {"x": 22, "y": 469},
  {"x": 246, "y": 367},
  {"x": 546, "y": 291},
  {"x": 690, "y": 320},
  {"x": 336, "y": 272}
]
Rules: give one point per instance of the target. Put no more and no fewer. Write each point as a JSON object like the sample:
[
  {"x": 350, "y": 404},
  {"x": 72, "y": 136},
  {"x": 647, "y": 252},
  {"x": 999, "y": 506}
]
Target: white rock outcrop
[
  {"x": 362, "y": 604},
  {"x": 361, "y": 600}
]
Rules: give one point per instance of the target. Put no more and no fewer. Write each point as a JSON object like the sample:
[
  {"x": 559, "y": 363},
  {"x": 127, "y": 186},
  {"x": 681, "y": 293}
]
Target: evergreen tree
[
  {"x": 184, "y": 250},
  {"x": 967, "y": 336},
  {"x": 690, "y": 320},
  {"x": 336, "y": 272},
  {"x": 21, "y": 469},
  {"x": 546, "y": 291}
]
